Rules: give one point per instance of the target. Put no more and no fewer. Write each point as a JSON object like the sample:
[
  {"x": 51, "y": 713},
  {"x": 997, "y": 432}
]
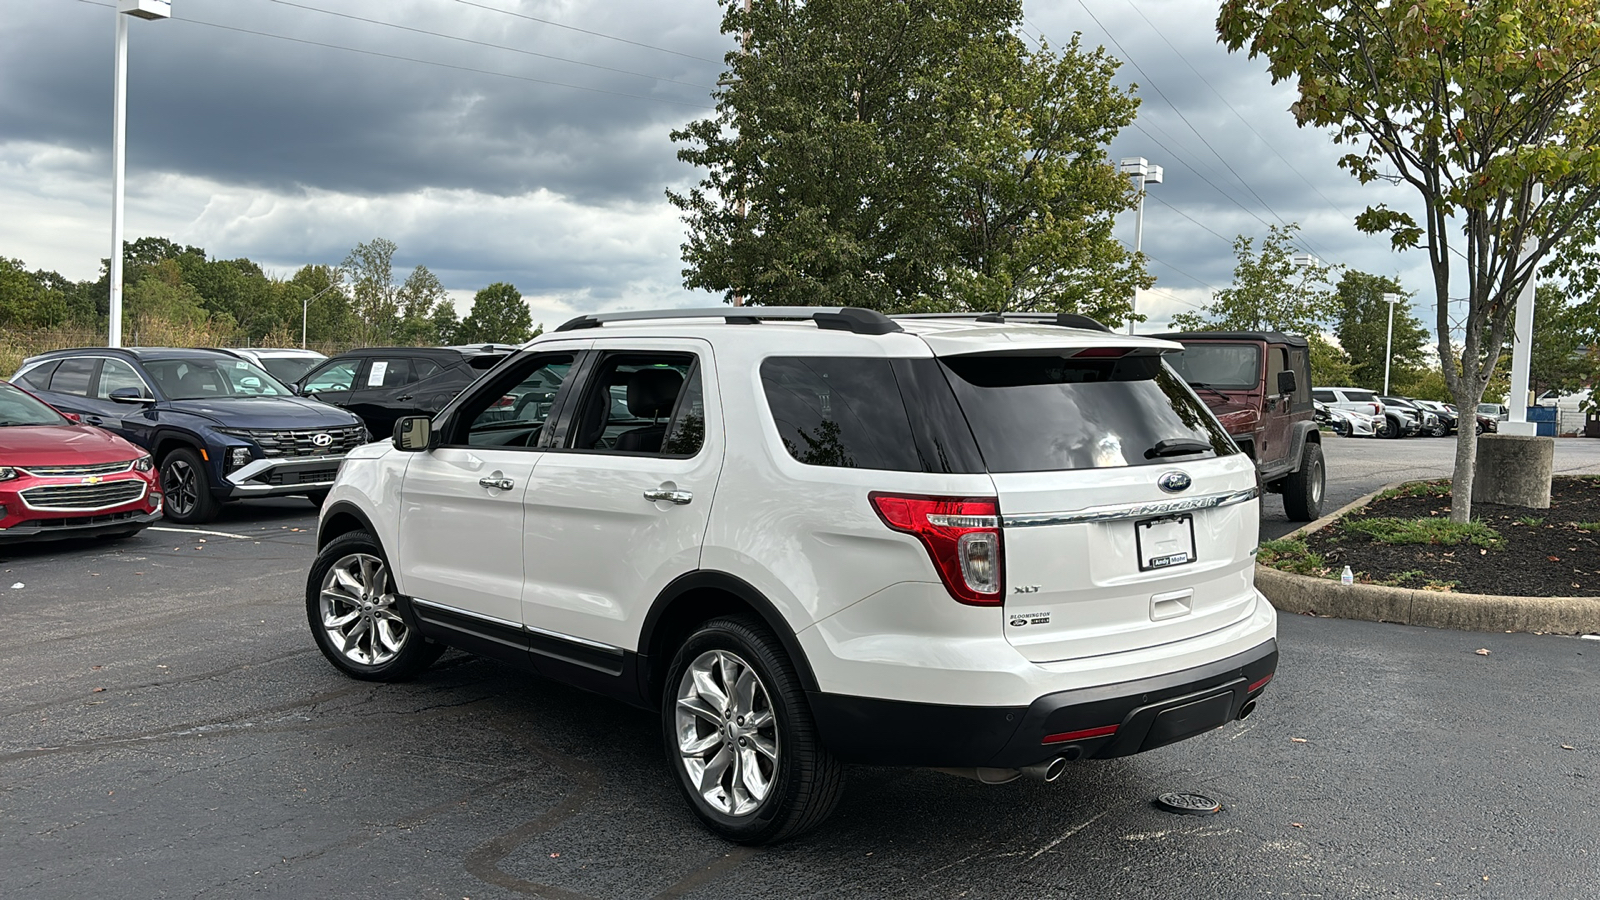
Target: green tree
[
  {"x": 374, "y": 295},
  {"x": 1329, "y": 364},
  {"x": 1363, "y": 331},
  {"x": 1269, "y": 291},
  {"x": 1474, "y": 104},
  {"x": 1562, "y": 337},
  {"x": 420, "y": 298},
  {"x": 908, "y": 154},
  {"x": 498, "y": 316},
  {"x": 328, "y": 316}
]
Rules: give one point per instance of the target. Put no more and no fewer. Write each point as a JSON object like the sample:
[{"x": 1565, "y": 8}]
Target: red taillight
[
  {"x": 962, "y": 537},
  {"x": 504, "y": 402},
  {"x": 1103, "y": 353}
]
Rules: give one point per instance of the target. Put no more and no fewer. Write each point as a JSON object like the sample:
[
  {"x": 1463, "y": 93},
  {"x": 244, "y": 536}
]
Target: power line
[
  {"x": 1202, "y": 225},
  {"x": 425, "y": 62},
  {"x": 451, "y": 37},
  {"x": 1236, "y": 113},
  {"x": 599, "y": 34},
  {"x": 1153, "y": 86}
]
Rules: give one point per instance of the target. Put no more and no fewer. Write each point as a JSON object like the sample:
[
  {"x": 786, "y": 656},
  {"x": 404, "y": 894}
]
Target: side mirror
[
  {"x": 129, "y": 395},
  {"x": 413, "y": 433},
  {"x": 1286, "y": 382}
]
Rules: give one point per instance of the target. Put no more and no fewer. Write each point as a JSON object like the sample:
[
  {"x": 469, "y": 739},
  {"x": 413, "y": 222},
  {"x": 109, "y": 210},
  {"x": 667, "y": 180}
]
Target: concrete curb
[{"x": 1291, "y": 593}]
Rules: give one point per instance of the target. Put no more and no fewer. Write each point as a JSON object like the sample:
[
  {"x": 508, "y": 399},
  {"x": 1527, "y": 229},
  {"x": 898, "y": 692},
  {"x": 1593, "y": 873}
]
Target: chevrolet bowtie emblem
[{"x": 93, "y": 479}]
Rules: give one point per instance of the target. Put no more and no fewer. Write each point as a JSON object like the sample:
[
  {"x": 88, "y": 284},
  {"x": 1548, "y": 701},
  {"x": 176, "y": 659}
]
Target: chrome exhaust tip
[
  {"x": 1245, "y": 710},
  {"x": 1046, "y": 771}
]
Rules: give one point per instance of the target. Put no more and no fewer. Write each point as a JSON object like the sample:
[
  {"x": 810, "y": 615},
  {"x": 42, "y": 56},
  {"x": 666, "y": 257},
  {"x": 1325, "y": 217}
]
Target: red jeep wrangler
[{"x": 1258, "y": 383}]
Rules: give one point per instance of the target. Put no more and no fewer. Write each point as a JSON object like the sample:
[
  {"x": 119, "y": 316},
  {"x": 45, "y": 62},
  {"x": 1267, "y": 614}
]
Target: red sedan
[{"x": 59, "y": 479}]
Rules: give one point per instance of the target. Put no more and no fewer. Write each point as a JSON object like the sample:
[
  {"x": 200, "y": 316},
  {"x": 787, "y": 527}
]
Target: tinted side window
[
  {"x": 688, "y": 431},
  {"x": 1359, "y": 396},
  {"x": 631, "y": 401},
  {"x": 1300, "y": 364},
  {"x": 1325, "y": 396},
  {"x": 396, "y": 372},
  {"x": 72, "y": 376},
  {"x": 334, "y": 377},
  {"x": 38, "y": 377},
  {"x": 840, "y": 411}
]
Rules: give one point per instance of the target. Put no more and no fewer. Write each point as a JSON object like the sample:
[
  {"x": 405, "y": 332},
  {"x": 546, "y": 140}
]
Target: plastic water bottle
[{"x": 1347, "y": 576}]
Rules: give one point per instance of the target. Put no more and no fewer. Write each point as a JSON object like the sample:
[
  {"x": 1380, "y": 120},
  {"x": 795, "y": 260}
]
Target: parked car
[
  {"x": 818, "y": 536},
  {"x": 382, "y": 384},
  {"x": 218, "y": 427},
  {"x": 1496, "y": 411},
  {"x": 1427, "y": 420},
  {"x": 1345, "y": 422},
  {"x": 1392, "y": 422},
  {"x": 1258, "y": 384},
  {"x": 60, "y": 478},
  {"x": 1487, "y": 423},
  {"x": 1446, "y": 417},
  {"x": 287, "y": 364}
]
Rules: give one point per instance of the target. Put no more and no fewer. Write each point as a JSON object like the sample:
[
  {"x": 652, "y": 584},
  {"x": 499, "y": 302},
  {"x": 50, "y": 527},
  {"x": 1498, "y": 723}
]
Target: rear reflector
[
  {"x": 1259, "y": 685},
  {"x": 961, "y": 535},
  {"x": 1066, "y": 737}
]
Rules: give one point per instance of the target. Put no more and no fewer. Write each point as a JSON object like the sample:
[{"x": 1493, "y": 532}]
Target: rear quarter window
[{"x": 844, "y": 412}]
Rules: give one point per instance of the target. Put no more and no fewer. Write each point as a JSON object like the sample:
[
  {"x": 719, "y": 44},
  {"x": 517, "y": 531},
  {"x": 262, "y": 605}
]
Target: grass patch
[
  {"x": 1417, "y": 489},
  {"x": 1416, "y": 578},
  {"x": 1530, "y": 521},
  {"x": 1588, "y": 526},
  {"x": 1292, "y": 556},
  {"x": 1424, "y": 531}
]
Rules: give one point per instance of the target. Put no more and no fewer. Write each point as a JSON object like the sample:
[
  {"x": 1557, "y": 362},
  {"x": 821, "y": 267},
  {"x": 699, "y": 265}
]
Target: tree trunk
[{"x": 1466, "y": 463}]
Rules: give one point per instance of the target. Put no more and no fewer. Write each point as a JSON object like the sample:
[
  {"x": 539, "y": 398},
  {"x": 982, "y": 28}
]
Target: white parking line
[{"x": 237, "y": 537}]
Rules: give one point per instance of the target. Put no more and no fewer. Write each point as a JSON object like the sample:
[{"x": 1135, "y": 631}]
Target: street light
[
  {"x": 1147, "y": 174},
  {"x": 1388, "y": 345},
  {"x": 305, "y": 310},
  {"x": 143, "y": 9}
]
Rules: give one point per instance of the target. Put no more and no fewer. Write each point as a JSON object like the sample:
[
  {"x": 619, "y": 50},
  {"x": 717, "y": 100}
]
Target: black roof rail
[
  {"x": 845, "y": 318},
  {"x": 221, "y": 350},
  {"x": 1063, "y": 320}
]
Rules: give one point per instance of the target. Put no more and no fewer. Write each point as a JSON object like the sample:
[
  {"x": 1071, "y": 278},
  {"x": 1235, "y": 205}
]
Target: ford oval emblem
[{"x": 1173, "y": 482}]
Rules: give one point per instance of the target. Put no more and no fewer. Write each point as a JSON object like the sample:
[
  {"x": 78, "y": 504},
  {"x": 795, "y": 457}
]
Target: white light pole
[
  {"x": 305, "y": 310},
  {"x": 144, "y": 9},
  {"x": 1522, "y": 345},
  {"x": 1147, "y": 174},
  {"x": 1388, "y": 345}
]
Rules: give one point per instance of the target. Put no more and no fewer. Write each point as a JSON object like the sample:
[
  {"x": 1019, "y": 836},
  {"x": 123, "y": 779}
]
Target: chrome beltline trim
[{"x": 1132, "y": 510}]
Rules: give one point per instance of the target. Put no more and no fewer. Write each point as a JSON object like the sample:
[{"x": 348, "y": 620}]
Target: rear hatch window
[{"x": 1049, "y": 413}]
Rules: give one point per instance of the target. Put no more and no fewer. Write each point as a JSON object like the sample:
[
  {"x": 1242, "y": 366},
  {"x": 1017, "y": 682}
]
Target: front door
[
  {"x": 619, "y": 509},
  {"x": 461, "y": 513}
]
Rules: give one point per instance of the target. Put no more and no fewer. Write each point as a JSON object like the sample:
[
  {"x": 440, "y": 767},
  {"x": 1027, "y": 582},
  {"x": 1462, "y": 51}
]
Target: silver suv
[{"x": 810, "y": 537}]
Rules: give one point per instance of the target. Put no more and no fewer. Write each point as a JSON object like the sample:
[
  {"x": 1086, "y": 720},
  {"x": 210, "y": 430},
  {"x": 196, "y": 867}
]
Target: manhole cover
[{"x": 1188, "y": 804}]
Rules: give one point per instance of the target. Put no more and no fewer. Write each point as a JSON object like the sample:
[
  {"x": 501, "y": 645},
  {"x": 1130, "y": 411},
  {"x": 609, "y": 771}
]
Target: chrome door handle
[
  {"x": 503, "y": 484},
  {"x": 678, "y": 497}
]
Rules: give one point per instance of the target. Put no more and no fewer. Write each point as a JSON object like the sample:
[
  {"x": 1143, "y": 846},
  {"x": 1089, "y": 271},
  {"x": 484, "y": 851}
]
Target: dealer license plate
[{"x": 1165, "y": 542}]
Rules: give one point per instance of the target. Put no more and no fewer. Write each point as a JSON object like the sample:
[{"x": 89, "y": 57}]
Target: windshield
[
  {"x": 289, "y": 369},
  {"x": 1045, "y": 413},
  {"x": 18, "y": 407},
  {"x": 203, "y": 378},
  {"x": 1234, "y": 367}
]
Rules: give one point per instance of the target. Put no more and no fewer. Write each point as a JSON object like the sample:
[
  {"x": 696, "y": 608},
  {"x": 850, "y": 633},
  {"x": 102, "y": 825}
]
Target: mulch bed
[{"x": 1541, "y": 552}]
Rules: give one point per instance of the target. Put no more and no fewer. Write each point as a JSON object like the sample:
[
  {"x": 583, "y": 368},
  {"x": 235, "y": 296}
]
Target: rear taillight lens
[
  {"x": 505, "y": 402},
  {"x": 961, "y": 535}
]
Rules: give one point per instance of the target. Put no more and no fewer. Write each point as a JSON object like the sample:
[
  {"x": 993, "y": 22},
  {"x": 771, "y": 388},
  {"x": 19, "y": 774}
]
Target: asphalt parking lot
[{"x": 167, "y": 729}]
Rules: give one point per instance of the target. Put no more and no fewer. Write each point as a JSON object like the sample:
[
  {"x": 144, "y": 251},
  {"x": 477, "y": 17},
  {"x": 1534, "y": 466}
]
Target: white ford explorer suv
[{"x": 811, "y": 537}]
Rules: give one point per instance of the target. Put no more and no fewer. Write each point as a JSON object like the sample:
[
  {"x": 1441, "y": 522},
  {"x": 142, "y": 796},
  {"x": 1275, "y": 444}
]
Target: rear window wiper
[{"x": 1177, "y": 447}]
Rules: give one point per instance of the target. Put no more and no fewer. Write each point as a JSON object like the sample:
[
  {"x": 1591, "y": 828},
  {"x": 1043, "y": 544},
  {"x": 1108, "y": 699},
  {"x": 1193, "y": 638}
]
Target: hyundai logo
[
  {"x": 1173, "y": 482},
  {"x": 323, "y": 440}
]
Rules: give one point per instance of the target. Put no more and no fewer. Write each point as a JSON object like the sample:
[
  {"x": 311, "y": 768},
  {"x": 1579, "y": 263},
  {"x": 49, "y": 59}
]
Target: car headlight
[
  {"x": 7, "y": 473},
  {"x": 143, "y": 464}
]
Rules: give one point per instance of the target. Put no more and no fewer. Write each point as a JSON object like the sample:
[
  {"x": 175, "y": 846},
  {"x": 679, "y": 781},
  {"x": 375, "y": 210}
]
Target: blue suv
[{"x": 220, "y": 428}]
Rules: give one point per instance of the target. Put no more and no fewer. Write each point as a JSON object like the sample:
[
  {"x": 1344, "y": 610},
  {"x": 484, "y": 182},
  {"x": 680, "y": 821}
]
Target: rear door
[
  {"x": 1128, "y": 514},
  {"x": 635, "y": 474}
]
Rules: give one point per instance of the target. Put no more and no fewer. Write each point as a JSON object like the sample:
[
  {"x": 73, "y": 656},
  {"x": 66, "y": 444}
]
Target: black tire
[
  {"x": 1303, "y": 489},
  {"x": 376, "y": 615},
  {"x": 1393, "y": 428},
  {"x": 186, "y": 488},
  {"x": 1480, "y": 428},
  {"x": 1439, "y": 429},
  {"x": 805, "y": 781},
  {"x": 318, "y": 498}
]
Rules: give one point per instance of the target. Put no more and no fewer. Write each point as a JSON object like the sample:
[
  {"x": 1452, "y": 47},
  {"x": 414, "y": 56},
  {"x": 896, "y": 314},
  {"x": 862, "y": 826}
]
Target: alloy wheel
[
  {"x": 180, "y": 486},
  {"x": 727, "y": 733},
  {"x": 358, "y": 612}
]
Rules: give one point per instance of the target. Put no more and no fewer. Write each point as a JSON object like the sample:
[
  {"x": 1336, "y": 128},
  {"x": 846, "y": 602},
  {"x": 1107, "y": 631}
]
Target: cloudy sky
[{"x": 527, "y": 140}]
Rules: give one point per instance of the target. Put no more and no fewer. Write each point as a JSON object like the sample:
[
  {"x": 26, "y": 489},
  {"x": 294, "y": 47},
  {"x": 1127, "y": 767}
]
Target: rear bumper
[{"x": 1096, "y": 722}]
